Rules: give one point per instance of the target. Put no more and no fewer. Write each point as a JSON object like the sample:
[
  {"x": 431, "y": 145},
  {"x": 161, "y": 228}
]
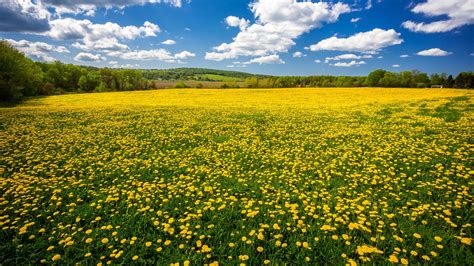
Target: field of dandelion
[{"x": 281, "y": 176}]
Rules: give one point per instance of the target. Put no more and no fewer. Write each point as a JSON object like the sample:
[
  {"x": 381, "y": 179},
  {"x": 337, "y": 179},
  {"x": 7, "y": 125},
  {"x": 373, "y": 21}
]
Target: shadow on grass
[
  {"x": 449, "y": 111},
  {"x": 29, "y": 100}
]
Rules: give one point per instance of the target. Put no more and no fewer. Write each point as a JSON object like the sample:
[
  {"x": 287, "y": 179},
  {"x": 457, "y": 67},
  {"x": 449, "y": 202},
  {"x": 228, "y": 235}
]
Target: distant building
[{"x": 437, "y": 86}]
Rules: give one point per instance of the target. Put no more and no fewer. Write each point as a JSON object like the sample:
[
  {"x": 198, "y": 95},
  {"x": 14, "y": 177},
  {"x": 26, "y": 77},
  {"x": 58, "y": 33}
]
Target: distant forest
[{"x": 21, "y": 77}]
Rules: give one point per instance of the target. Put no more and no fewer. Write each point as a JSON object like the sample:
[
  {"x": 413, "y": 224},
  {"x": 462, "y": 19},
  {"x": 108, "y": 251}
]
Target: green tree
[
  {"x": 450, "y": 82},
  {"x": 438, "y": 79},
  {"x": 251, "y": 82},
  {"x": 464, "y": 80},
  {"x": 89, "y": 81},
  {"x": 19, "y": 76},
  {"x": 390, "y": 80},
  {"x": 374, "y": 77},
  {"x": 419, "y": 79}
]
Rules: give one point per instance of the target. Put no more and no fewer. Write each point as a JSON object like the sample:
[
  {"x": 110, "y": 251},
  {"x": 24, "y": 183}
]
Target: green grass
[{"x": 214, "y": 77}]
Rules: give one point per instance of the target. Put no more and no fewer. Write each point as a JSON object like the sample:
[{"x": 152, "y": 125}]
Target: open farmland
[{"x": 277, "y": 176}]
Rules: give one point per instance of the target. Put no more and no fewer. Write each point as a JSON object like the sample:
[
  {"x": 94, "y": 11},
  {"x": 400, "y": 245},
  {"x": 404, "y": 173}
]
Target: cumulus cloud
[
  {"x": 433, "y": 52},
  {"x": 278, "y": 23},
  {"x": 404, "y": 56},
  {"x": 169, "y": 42},
  {"x": 88, "y": 57},
  {"x": 156, "y": 54},
  {"x": 298, "y": 54},
  {"x": 95, "y": 37},
  {"x": 69, "y": 28},
  {"x": 347, "y": 56},
  {"x": 184, "y": 55},
  {"x": 233, "y": 21},
  {"x": 396, "y": 65},
  {"x": 38, "y": 50},
  {"x": 317, "y": 61},
  {"x": 269, "y": 59},
  {"x": 34, "y": 15},
  {"x": 370, "y": 41},
  {"x": 23, "y": 16},
  {"x": 349, "y": 64},
  {"x": 89, "y": 6},
  {"x": 459, "y": 13}
]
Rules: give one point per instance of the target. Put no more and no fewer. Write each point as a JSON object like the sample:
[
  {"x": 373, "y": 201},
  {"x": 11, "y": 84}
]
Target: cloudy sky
[{"x": 280, "y": 37}]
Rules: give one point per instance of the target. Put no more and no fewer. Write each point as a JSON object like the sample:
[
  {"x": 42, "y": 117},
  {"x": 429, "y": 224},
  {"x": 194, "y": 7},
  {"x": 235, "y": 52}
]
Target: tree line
[
  {"x": 21, "y": 77},
  {"x": 377, "y": 78},
  {"x": 195, "y": 74}
]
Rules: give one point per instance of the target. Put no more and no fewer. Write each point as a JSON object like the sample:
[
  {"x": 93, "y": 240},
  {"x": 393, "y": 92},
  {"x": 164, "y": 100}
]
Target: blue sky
[{"x": 278, "y": 37}]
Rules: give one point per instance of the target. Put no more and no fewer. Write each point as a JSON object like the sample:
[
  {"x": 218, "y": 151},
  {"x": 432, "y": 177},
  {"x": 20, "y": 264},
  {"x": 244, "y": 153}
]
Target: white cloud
[
  {"x": 95, "y": 37},
  {"x": 459, "y": 13},
  {"x": 354, "y": 20},
  {"x": 233, "y": 21},
  {"x": 88, "y": 57},
  {"x": 433, "y": 52},
  {"x": 184, "y": 55},
  {"x": 34, "y": 15},
  {"x": 236, "y": 65},
  {"x": 317, "y": 61},
  {"x": 404, "y": 56},
  {"x": 369, "y": 4},
  {"x": 349, "y": 64},
  {"x": 269, "y": 59},
  {"x": 37, "y": 50},
  {"x": 298, "y": 54},
  {"x": 128, "y": 66},
  {"x": 157, "y": 54},
  {"x": 396, "y": 65},
  {"x": 169, "y": 42},
  {"x": 23, "y": 16},
  {"x": 278, "y": 23},
  {"x": 69, "y": 28},
  {"x": 89, "y": 6},
  {"x": 370, "y": 41},
  {"x": 113, "y": 62},
  {"x": 347, "y": 56}
]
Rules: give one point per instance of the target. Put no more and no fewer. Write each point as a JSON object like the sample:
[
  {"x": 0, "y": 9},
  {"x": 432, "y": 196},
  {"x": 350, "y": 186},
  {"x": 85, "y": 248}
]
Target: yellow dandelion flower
[{"x": 393, "y": 259}]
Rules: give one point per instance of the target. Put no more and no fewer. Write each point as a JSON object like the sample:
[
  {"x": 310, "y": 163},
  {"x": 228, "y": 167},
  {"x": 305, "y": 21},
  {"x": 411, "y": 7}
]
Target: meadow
[{"x": 239, "y": 176}]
